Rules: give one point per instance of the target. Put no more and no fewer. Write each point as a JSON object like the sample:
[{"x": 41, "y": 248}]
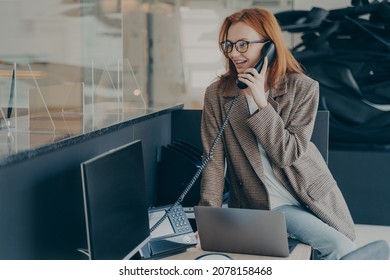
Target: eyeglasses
[{"x": 241, "y": 45}]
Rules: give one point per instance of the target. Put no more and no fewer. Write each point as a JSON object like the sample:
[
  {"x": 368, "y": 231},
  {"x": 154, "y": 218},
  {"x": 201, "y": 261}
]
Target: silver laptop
[{"x": 243, "y": 231}]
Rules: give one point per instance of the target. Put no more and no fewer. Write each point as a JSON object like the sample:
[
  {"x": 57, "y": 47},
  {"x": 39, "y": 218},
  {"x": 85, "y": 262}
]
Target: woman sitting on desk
[{"x": 270, "y": 161}]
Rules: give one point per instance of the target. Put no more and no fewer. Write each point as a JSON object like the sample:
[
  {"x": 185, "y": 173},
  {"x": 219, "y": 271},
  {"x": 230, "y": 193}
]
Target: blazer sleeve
[
  {"x": 212, "y": 181},
  {"x": 285, "y": 135}
]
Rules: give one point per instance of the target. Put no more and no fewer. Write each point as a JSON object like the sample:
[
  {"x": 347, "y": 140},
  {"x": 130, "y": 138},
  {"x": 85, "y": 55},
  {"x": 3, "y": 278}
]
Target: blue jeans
[{"x": 306, "y": 227}]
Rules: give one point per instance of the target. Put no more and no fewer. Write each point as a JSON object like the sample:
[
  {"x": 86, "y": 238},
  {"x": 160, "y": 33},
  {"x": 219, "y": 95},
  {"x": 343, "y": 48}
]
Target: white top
[{"x": 278, "y": 194}]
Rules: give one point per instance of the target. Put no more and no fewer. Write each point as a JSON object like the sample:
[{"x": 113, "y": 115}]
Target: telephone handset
[{"x": 268, "y": 50}]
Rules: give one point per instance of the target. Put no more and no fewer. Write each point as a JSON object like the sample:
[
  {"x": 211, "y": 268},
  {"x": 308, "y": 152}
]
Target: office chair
[
  {"x": 320, "y": 135},
  {"x": 376, "y": 250}
]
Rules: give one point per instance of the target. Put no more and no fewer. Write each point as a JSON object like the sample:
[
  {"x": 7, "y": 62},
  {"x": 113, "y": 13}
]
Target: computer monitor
[{"x": 115, "y": 203}]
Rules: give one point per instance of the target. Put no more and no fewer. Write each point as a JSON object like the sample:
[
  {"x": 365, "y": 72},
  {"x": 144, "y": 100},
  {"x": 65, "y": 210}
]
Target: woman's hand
[{"x": 256, "y": 83}]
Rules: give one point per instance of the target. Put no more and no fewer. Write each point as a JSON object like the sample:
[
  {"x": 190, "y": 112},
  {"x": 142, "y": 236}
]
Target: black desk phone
[
  {"x": 268, "y": 50},
  {"x": 173, "y": 235}
]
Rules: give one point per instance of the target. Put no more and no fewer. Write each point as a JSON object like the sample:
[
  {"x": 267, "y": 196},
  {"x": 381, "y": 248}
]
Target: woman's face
[{"x": 240, "y": 31}]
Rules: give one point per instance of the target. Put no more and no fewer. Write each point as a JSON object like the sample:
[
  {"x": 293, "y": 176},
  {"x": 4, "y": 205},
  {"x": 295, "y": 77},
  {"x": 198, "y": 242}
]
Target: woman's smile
[{"x": 241, "y": 65}]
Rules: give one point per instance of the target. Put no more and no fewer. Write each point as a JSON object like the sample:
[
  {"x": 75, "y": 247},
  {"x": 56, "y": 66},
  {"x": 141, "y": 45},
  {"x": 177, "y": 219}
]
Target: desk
[{"x": 300, "y": 252}]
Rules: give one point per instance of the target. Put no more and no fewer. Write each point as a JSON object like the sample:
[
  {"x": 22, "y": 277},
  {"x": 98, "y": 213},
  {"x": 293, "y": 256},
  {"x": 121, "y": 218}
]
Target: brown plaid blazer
[{"x": 284, "y": 129}]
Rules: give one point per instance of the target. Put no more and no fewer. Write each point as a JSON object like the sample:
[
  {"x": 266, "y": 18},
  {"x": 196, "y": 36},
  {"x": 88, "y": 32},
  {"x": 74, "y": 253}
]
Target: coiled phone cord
[{"x": 205, "y": 161}]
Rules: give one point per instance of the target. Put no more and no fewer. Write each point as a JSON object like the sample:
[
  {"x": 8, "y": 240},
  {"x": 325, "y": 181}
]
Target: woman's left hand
[{"x": 257, "y": 83}]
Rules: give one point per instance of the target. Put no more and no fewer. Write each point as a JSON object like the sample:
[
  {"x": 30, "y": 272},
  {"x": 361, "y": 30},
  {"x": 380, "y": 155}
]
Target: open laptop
[{"x": 243, "y": 231}]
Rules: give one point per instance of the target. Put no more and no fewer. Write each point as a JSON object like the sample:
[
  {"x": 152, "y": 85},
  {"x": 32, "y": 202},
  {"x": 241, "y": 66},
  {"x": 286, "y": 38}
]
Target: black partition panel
[
  {"x": 364, "y": 179},
  {"x": 186, "y": 126}
]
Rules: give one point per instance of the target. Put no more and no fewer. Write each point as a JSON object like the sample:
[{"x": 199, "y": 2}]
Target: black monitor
[{"x": 115, "y": 203}]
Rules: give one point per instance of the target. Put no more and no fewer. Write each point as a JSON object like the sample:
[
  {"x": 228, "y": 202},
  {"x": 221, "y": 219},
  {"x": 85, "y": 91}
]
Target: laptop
[{"x": 242, "y": 231}]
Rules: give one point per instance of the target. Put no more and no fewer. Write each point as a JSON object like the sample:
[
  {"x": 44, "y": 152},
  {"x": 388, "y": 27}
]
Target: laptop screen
[{"x": 115, "y": 203}]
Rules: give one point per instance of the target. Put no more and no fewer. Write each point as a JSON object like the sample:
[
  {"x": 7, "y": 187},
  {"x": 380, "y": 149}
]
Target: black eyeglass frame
[{"x": 235, "y": 45}]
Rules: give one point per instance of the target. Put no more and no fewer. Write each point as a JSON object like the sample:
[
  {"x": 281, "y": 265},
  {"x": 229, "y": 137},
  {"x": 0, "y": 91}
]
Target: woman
[{"x": 266, "y": 149}]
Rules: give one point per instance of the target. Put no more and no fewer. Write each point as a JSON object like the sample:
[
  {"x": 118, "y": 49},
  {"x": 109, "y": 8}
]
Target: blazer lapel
[{"x": 244, "y": 135}]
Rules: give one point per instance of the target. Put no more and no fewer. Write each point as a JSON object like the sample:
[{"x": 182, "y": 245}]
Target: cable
[
  {"x": 205, "y": 161},
  {"x": 214, "y": 256}
]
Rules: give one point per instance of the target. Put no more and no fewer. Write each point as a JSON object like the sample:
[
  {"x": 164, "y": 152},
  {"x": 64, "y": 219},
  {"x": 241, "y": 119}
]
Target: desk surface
[{"x": 300, "y": 252}]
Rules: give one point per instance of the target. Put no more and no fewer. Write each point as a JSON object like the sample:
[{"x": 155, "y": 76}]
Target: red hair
[{"x": 267, "y": 26}]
